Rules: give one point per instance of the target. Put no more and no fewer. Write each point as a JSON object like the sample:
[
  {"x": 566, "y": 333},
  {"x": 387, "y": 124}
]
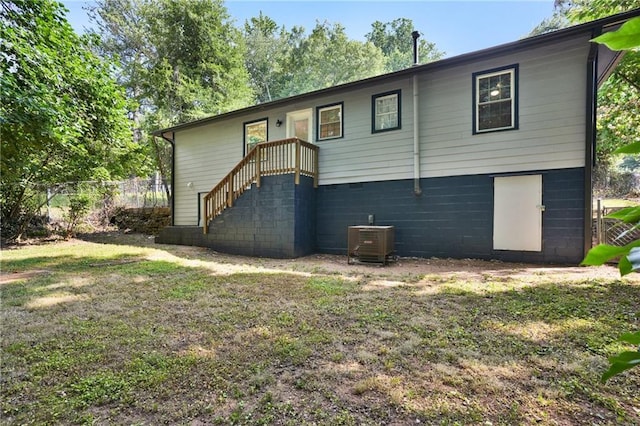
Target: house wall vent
[{"x": 370, "y": 243}]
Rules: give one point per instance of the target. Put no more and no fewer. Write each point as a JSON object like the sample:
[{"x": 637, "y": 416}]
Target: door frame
[{"x": 294, "y": 115}]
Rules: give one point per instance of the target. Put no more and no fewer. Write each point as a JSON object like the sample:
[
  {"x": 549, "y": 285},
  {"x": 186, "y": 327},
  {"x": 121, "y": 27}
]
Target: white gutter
[
  {"x": 416, "y": 119},
  {"x": 416, "y": 138}
]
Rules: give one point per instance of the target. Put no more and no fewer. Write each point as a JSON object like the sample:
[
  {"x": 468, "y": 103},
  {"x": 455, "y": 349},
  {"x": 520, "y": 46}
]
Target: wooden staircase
[{"x": 285, "y": 156}]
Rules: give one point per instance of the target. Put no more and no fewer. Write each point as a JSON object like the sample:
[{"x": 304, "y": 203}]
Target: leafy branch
[{"x": 625, "y": 38}]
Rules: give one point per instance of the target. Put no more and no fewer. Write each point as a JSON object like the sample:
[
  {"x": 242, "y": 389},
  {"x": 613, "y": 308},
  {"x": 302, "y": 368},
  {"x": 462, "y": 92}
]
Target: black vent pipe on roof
[{"x": 415, "y": 36}]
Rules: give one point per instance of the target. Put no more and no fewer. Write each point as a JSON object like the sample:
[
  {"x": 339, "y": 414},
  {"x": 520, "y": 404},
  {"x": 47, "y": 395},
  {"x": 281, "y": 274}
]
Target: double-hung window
[
  {"x": 330, "y": 122},
  {"x": 495, "y": 99},
  {"x": 254, "y": 133},
  {"x": 385, "y": 112}
]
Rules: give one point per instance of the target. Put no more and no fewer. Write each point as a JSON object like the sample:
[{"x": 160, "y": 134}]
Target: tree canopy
[
  {"x": 396, "y": 43},
  {"x": 327, "y": 57},
  {"x": 63, "y": 116},
  {"x": 619, "y": 96},
  {"x": 79, "y": 108},
  {"x": 288, "y": 62}
]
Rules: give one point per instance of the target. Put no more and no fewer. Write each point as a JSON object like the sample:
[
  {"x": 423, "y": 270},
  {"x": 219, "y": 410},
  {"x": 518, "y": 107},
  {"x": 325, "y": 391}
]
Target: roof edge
[{"x": 454, "y": 60}]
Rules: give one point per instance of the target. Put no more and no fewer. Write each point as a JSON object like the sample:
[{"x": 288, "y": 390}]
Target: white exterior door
[
  {"x": 300, "y": 125},
  {"x": 517, "y": 213}
]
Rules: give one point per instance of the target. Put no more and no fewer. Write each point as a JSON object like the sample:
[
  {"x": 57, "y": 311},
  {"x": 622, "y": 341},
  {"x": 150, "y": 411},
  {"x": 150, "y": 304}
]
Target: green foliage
[
  {"x": 324, "y": 58},
  {"x": 604, "y": 253},
  {"x": 63, "y": 115},
  {"x": 268, "y": 46},
  {"x": 588, "y": 10},
  {"x": 625, "y": 360},
  {"x": 197, "y": 68},
  {"x": 625, "y": 37},
  {"x": 395, "y": 40},
  {"x": 285, "y": 62},
  {"x": 79, "y": 206},
  {"x": 178, "y": 60}
]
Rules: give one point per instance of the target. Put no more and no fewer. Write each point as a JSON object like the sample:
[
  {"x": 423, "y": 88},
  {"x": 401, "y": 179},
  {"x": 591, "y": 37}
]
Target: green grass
[{"x": 121, "y": 334}]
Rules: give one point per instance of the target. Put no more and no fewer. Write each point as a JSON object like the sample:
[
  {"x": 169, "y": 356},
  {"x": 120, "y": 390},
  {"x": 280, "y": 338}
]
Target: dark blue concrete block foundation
[
  {"x": 276, "y": 220},
  {"x": 453, "y": 217}
]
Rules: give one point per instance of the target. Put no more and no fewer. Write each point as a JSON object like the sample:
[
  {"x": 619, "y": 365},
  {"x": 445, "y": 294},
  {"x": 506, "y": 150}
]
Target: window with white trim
[
  {"x": 254, "y": 133},
  {"x": 495, "y": 100},
  {"x": 385, "y": 111},
  {"x": 330, "y": 124}
]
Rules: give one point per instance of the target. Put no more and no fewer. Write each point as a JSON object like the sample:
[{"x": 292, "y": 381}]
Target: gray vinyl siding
[
  {"x": 203, "y": 156},
  {"x": 552, "y": 97},
  {"x": 552, "y": 102},
  {"x": 362, "y": 156}
]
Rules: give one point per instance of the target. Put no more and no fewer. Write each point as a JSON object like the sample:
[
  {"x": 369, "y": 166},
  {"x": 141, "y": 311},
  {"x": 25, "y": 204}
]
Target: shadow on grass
[
  {"x": 337, "y": 264},
  {"x": 286, "y": 348}
]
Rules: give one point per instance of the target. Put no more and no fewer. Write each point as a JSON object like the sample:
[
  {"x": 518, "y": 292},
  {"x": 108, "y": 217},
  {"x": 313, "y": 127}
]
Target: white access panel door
[{"x": 517, "y": 213}]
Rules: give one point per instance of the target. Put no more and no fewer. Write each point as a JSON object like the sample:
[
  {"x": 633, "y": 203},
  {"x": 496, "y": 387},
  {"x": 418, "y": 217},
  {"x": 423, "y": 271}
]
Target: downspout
[
  {"x": 172, "y": 141},
  {"x": 590, "y": 140},
  {"x": 416, "y": 120}
]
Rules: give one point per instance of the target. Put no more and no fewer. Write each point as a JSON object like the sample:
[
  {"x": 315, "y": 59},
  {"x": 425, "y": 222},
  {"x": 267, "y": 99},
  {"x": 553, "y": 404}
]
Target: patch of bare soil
[
  {"x": 405, "y": 268},
  {"x": 9, "y": 277}
]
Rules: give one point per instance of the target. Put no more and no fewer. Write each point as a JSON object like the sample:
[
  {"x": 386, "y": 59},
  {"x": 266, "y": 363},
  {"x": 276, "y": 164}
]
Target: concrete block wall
[
  {"x": 276, "y": 220},
  {"x": 453, "y": 217}
]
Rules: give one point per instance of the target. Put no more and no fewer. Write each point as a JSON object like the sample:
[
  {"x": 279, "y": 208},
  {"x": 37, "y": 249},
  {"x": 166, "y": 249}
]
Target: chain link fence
[{"x": 107, "y": 196}]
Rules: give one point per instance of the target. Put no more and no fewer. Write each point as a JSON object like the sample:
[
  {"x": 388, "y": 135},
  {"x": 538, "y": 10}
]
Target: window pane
[
  {"x": 386, "y": 112},
  {"x": 255, "y": 133},
  {"x": 494, "y": 88},
  {"x": 495, "y": 115},
  {"x": 388, "y": 121},
  {"x": 330, "y": 115},
  {"x": 330, "y": 125},
  {"x": 495, "y": 101},
  {"x": 329, "y": 130}
]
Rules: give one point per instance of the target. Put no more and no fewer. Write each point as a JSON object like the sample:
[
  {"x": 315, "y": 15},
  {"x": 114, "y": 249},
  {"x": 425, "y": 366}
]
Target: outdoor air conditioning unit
[{"x": 370, "y": 243}]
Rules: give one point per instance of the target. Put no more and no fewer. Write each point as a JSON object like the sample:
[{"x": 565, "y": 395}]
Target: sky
[{"x": 455, "y": 26}]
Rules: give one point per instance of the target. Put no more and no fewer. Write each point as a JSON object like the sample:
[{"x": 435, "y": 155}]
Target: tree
[
  {"x": 556, "y": 22},
  {"x": 326, "y": 58},
  {"x": 627, "y": 37},
  {"x": 179, "y": 60},
  {"x": 268, "y": 46},
  {"x": 395, "y": 40},
  {"x": 619, "y": 96},
  {"x": 63, "y": 115},
  {"x": 285, "y": 63},
  {"x": 198, "y": 69}
]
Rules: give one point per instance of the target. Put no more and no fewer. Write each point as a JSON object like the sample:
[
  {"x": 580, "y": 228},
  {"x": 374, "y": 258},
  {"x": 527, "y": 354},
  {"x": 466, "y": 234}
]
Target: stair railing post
[
  {"x": 258, "y": 161},
  {"x": 206, "y": 214},
  {"x": 316, "y": 168},
  {"x": 297, "y": 160},
  {"x": 230, "y": 193}
]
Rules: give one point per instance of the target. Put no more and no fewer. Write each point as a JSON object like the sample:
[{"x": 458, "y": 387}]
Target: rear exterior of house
[{"x": 486, "y": 155}]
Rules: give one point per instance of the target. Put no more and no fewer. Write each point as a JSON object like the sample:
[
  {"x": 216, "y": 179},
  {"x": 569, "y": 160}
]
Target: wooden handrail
[{"x": 285, "y": 156}]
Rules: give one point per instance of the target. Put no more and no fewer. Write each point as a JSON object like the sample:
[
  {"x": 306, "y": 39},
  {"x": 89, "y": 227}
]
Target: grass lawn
[{"x": 122, "y": 334}]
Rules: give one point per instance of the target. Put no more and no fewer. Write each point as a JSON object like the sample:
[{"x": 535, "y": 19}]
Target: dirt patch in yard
[
  {"x": 10, "y": 277},
  {"x": 406, "y": 269}
]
